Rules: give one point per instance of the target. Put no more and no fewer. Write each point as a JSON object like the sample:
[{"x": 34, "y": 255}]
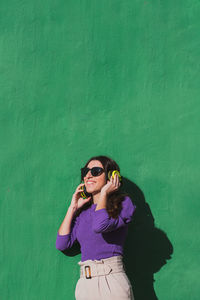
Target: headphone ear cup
[
  {"x": 118, "y": 173},
  {"x": 83, "y": 193},
  {"x": 112, "y": 173},
  {"x": 87, "y": 195}
]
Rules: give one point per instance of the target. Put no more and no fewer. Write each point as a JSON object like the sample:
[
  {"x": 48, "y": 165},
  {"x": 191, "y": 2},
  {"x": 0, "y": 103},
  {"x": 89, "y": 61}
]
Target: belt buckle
[{"x": 89, "y": 270}]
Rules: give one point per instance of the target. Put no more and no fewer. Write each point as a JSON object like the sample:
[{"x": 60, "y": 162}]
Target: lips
[{"x": 90, "y": 182}]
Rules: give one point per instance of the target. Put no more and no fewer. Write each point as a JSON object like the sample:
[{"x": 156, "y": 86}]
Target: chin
[
  {"x": 92, "y": 191},
  {"x": 89, "y": 190}
]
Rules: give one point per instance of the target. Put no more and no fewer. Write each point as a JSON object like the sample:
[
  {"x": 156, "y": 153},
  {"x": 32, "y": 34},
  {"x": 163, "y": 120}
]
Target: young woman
[{"x": 99, "y": 223}]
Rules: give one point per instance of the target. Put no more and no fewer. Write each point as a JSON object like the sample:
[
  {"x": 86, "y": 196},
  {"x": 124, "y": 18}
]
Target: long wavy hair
[{"x": 114, "y": 200}]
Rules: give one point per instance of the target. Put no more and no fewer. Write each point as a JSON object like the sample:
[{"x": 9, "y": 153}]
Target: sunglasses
[{"x": 95, "y": 171}]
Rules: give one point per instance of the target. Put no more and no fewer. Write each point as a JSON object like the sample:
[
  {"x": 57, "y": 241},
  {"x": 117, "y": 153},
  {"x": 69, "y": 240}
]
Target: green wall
[{"x": 83, "y": 78}]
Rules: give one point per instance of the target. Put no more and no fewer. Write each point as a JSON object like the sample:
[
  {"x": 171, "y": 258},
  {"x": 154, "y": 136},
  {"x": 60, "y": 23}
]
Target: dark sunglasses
[{"x": 95, "y": 171}]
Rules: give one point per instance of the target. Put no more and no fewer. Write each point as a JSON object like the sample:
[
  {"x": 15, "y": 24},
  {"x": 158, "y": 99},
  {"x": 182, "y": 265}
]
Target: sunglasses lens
[
  {"x": 84, "y": 172},
  {"x": 96, "y": 171}
]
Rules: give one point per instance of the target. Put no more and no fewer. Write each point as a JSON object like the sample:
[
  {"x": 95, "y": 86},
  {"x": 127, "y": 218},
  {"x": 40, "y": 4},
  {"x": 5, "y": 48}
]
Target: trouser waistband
[{"x": 105, "y": 266}]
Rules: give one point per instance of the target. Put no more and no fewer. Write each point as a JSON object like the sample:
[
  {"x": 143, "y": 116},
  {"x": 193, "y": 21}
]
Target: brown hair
[{"x": 114, "y": 200}]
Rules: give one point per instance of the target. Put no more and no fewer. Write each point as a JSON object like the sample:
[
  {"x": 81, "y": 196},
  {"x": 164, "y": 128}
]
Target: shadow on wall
[{"x": 146, "y": 249}]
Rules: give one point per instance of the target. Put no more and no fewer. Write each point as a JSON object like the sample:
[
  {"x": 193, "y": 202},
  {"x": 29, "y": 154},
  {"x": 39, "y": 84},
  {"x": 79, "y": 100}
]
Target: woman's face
[{"x": 94, "y": 184}]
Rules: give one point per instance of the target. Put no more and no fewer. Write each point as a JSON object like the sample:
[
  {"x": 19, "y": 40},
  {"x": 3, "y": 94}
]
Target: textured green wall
[{"x": 82, "y": 78}]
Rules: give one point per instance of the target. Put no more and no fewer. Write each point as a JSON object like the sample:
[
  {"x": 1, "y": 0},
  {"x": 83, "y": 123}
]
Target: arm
[
  {"x": 102, "y": 222},
  {"x": 66, "y": 234}
]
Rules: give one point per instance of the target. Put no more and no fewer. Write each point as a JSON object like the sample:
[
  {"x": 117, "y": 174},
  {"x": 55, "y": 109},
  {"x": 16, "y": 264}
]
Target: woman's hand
[
  {"x": 112, "y": 185},
  {"x": 77, "y": 200}
]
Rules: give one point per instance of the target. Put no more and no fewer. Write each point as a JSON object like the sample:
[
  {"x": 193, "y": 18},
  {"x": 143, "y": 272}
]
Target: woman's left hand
[{"x": 112, "y": 185}]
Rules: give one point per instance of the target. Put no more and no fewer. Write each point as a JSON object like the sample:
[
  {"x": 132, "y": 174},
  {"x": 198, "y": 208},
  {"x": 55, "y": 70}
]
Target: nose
[{"x": 88, "y": 175}]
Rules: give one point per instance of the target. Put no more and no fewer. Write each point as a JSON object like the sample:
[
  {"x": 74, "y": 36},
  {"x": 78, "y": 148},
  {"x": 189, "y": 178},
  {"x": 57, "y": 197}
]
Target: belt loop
[{"x": 107, "y": 269}]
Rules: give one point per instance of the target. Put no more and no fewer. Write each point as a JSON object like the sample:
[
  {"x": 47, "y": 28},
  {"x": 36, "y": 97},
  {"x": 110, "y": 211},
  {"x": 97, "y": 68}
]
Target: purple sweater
[{"x": 99, "y": 235}]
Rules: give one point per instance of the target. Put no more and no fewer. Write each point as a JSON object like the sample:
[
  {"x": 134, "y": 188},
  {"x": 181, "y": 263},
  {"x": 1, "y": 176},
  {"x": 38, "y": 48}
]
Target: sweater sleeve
[
  {"x": 66, "y": 241},
  {"x": 102, "y": 222}
]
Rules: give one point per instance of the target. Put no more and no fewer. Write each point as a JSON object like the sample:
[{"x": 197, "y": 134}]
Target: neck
[{"x": 96, "y": 198}]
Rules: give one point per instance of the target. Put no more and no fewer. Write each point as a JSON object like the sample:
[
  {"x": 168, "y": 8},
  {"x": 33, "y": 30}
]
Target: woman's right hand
[{"x": 77, "y": 200}]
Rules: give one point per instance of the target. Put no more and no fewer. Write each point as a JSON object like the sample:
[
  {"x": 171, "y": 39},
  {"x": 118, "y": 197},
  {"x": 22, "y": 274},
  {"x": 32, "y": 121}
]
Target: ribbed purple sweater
[{"x": 99, "y": 235}]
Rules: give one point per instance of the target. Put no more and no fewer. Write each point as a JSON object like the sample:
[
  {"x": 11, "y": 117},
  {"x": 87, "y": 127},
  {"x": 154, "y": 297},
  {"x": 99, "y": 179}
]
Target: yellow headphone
[
  {"x": 84, "y": 193},
  {"x": 112, "y": 173}
]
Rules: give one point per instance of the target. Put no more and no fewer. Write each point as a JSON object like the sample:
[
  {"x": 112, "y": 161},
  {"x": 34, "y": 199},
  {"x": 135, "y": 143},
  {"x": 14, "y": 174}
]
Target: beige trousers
[{"x": 103, "y": 279}]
